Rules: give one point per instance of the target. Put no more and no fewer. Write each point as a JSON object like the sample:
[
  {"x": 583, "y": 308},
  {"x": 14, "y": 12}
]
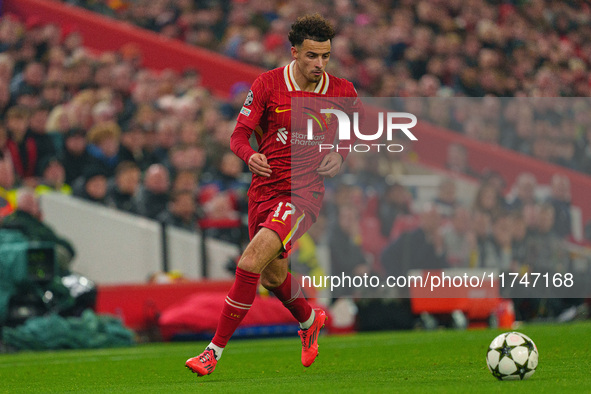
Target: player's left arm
[{"x": 331, "y": 163}]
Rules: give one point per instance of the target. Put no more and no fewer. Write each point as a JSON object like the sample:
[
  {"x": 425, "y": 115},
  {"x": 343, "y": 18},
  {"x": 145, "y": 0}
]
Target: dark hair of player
[{"x": 312, "y": 27}]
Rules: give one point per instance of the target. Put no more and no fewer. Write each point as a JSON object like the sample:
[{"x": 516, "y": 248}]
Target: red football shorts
[{"x": 288, "y": 215}]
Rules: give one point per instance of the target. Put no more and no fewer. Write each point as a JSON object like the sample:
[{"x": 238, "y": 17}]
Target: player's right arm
[
  {"x": 257, "y": 162},
  {"x": 249, "y": 117}
]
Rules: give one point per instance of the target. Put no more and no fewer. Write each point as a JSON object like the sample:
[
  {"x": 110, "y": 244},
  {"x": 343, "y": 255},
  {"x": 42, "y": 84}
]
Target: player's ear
[{"x": 294, "y": 52}]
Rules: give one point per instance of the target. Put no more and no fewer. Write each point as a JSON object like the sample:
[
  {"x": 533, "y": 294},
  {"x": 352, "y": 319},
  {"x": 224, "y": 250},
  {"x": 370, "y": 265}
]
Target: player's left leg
[{"x": 276, "y": 278}]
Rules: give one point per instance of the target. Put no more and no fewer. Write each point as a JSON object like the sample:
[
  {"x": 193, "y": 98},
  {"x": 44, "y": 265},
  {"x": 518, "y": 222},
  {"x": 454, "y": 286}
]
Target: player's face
[{"x": 311, "y": 58}]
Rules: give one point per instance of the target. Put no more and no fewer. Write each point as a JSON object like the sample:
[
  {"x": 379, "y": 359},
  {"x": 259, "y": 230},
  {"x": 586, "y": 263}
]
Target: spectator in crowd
[
  {"x": 190, "y": 133},
  {"x": 394, "y": 202},
  {"x": 4, "y": 95},
  {"x": 228, "y": 174},
  {"x": 152, "y": 197},
  {"x": 459, "y": 240},
  {"x": 72, "y": 41},
  {"x": 519, "y": 127},
  {"x": 421, "y": 248},
  {"x": 103, "y": 146},
  {"x": 46, "y": 147},
  {"x": 190, "y": 81},
  {"x": 92, "y": 185},
  {"x": 122, "y": 190},
  {"x": 181, "y": 211},
  {"x": 220, "y": 218},
  {"x": 545, "y": 253},
  {"x": 482, "y": 230},
  {"x": 495, "y": 179},
  {"x": 344, "y": 194},
  {"x": 370, "y": 173},
  {"x": 446, "y": 201},
  {"x": 30, "y": 80},
  {"x": 584, "y": 151},
  {"x": 185, "y": 157},
  {"x": 7, "y": 183},
  {"x": 28, "y": 98},
  {"x": 495, "y": 251},
  {"x": 20, "y": 144},
  {"x": 53, "y": 177},
  {"x": 103, "y": 111},
  {"x": 75, "y": 156},
  {"x": 121, "y": 83},
  {"x": 227, "y": 178},
  {"x": 488, "y": 200},
  {"x": 218, "y": 143},
  {"x": 7, "y": 62},
  {"x": 58, "y": 121},
  {"x": 28, "y": 219},
  {"x": 133, "y": 141},
  {"x": 167, "y": 136},
  {"x": 52, "y": 93},
  {"x": 531, "y": 214},
  {"x": 520, "y": 239},
  {"x": 186, "y": 180},
  {"x": 457, "y": 160},
  {"x": 525, "y": 308},
  {"x": 238, "y": 91},
  {"x": 3, "y": 140},
  {"x": 524, "y": 191},
  {"x": 560, "y": 199},
  {"x": 346, "y": 255}
]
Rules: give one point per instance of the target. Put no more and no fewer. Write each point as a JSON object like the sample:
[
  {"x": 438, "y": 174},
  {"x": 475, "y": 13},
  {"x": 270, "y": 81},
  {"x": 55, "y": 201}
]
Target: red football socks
[
  {"x": 290, "y": 293},
  {"x": 238, "y": 302}
]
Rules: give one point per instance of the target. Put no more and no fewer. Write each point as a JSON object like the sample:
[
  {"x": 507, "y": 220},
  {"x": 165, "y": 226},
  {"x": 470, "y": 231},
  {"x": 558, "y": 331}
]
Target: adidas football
[{"x": 512, "y": 356}]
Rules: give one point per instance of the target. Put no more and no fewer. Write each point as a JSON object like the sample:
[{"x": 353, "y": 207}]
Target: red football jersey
[{"x": 267, "y": 110}]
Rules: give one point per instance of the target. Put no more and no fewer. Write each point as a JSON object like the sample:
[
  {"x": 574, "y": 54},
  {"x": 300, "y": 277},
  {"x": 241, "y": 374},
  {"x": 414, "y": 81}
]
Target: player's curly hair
[{"x": 312, "y": 27}]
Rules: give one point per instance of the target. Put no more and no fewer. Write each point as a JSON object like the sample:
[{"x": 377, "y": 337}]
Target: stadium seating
[{"x": 218, "y": 74}]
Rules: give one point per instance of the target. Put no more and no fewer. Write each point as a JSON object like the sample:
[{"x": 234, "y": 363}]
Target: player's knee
[
  {"x": 250, "y": 264},
  {"x": 271, "y": 280}
]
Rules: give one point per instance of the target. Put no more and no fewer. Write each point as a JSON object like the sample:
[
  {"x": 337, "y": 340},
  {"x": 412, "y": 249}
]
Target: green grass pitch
[{"x": 436, "y": 361}]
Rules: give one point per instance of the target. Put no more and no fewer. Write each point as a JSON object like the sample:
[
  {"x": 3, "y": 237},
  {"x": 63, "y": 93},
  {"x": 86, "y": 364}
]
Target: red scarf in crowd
[{"x": 17, "y": 161}]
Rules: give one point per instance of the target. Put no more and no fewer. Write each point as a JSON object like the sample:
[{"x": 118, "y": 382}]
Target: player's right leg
[
  {"x": 291, "y": 218},
  {"x": 264, "y": 248}
]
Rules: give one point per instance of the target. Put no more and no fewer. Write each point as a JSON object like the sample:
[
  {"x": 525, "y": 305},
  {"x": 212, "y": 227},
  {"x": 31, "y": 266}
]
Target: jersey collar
[{"x": 292, "y": 85}]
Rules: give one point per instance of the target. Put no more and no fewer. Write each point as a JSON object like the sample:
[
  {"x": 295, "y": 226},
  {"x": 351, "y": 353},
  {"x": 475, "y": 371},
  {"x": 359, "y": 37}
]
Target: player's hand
[
  {"x": 257, "y": 164},
  {"x": 330, "y": 165}
]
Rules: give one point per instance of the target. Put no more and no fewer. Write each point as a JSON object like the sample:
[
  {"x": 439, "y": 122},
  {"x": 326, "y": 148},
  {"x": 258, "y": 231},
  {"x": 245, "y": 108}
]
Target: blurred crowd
[
  {"x": 426, "y": 48},
  {"x": 105, "y": 129},
  {"x": 553, "y": 130},
  {"x": 522, "y": 228},
  {"x": 397, "y": 48}
]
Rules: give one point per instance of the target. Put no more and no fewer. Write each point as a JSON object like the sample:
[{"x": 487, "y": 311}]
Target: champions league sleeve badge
[{"x": 249, "y": 98}]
